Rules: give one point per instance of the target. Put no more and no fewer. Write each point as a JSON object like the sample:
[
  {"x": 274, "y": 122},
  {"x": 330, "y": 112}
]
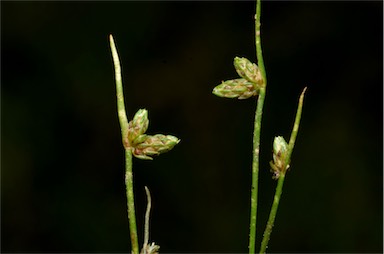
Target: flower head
[
  {"x": 280, "y": 150},
  {"x": 248, "y": 70},
  {"x": 138, "y": 126},
  {"x": 154, "y": 145},
  {"x": 235, "y": 88}
]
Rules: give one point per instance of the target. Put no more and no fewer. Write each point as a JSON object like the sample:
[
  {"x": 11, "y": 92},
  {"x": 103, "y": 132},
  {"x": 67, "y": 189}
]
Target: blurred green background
[{"x": 62, "y": 162}]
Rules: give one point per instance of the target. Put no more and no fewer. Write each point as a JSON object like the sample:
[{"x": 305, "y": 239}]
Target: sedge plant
[
  {"x": 142, "y": 146},
  {"x": 253, "y": 82}
]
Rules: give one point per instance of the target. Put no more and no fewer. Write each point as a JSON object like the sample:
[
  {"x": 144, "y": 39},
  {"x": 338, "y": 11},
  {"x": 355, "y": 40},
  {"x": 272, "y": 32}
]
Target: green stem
[
  {"x": 255, "y": 169},
  {"x": 295, "y": 129},
  {"x": 280, "y": 183},
  {"x": 131, "y": 201},
  {"x": 128, "y": 154},
  {"x": 256, "y": 132},
  {"x": 272, "y": 215},
  {"x": 259, "y": 52},
  {"x": 119, "y": 93}
]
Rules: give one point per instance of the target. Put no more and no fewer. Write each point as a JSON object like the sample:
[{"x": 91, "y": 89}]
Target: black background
[{"x": 62, "y": 162}]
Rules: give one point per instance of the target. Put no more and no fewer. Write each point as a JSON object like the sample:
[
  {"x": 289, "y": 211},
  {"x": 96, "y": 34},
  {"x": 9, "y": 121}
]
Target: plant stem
[
  {"x": 259, "y": 52},
  {"x": 272, "y": 215},
  {"x": 295, "y": 129},
  {"x": 256, "y": 132},
  {"x": 255, "y": 169},
  {"x": 280, "y": 183},
  {"x": 119, "y": 93},
  {"x": 128, "y": 154},
  {"x": 131, "y": 201},
  {"x": 146, "y": 222}
]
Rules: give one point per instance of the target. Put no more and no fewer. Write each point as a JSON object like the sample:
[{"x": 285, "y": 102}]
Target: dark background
[{"x": 62, "y": 161}]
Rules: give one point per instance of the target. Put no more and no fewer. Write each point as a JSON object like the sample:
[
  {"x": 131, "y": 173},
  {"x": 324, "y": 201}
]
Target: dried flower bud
[
  {"x": 248, "y": 70},
  {"x": 138, "y": 126},
  {"x": 154, "y": 145},
  {"x": 235, "y": 88}
]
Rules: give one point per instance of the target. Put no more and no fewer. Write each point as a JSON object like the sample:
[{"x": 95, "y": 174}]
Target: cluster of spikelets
[
  {"x": 280, "y": 151},
  {"x": 144, "y": 146},
  {"x": 245, "y": 87},
  {"x": 248, "y": 85}
]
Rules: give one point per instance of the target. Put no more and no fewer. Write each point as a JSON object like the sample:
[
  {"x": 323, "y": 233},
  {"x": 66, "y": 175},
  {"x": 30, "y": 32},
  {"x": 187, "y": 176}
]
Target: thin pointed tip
[
  {"x": 303, "y": 92},
  {"x": 111, "y": 39},
  {"x": 148, "y": 193}
]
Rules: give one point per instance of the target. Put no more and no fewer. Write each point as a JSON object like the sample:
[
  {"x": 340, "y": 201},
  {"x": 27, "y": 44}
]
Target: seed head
[
  {"x": 154, "y": 145},
  {"x": 138, "y": 126},
  {"x": 235, "y": 88},
  {"x": 280, "y": 149},
  {"x": 248, "y": 70}
]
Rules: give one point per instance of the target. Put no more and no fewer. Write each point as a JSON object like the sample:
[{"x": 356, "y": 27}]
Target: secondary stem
[
  {"x": 256, "y": 132},
  {"x": 146, "y": 222},
  {"x": 272, "y": 215},
  {"x": 295, "y": 129},
  {"x": 280, "y": 183}
]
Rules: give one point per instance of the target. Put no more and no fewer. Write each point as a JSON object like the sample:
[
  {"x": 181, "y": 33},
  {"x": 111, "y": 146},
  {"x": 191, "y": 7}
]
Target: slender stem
[
  {"x": 280, "y": 183},
  {"x": 131, "y": 201},
  {"x": 128, "y": 154},
  {"x": 295, "y": 129},
  {"x": 259, "y": 52},
  {"x": 272, "y": 215},
  {"x": 256, "y": 132},
  {"x": 146, "y": 223},
  {"x": 255, "y": 169},
  {"x": 119, "y": 93}
]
